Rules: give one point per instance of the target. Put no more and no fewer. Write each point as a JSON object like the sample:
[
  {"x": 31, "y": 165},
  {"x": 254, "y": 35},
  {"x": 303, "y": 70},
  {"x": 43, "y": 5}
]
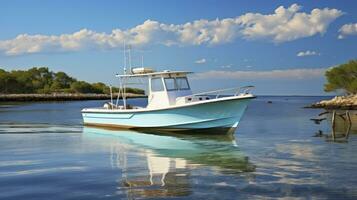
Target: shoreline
[
  {"x": 61, "y": 97},
  {"x": 338, "y": 102}
]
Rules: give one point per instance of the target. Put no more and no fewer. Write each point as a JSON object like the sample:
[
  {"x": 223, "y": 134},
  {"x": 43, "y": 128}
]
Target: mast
[
  {"x": 124, "y": 94},
  {"x": 124, "y": 51},
  {"x": 111, "y": 96},
  {"x": 123, "y": 81},
  {"x": 129, "y": 54},
  {"x": 142, "y": 61}
]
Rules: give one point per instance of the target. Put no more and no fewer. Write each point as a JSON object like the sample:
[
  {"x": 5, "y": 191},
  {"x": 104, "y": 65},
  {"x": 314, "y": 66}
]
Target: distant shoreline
[{"x": 61, "y": 97}]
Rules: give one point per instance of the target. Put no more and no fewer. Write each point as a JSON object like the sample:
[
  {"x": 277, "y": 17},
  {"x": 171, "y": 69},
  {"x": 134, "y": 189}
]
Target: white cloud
[
  {"x": 272, "y": 74},
  {"x": 230, "y": 65},
  {"x": 200, "y": 61},
  {"x": 307, "y": 53},
  {"x": 226, "y": 66},
  {"x": 347, "y": 29},
  {"x": 285, "y": 24}
]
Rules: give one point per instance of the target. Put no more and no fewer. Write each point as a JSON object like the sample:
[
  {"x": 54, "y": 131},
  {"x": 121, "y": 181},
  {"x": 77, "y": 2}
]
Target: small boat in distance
[{"x": 171, "y": 105}]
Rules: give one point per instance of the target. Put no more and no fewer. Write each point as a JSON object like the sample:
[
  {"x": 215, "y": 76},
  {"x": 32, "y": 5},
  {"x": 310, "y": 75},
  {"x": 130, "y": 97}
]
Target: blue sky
[{"x": 281, "y": 47}]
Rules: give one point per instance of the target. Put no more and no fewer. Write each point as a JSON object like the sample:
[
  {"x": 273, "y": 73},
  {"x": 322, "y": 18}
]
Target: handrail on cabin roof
[{"x": 152, "y": 74}]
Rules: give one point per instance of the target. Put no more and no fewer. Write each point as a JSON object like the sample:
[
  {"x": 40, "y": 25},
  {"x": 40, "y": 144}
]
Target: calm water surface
[{"x": 46, "y": 153}]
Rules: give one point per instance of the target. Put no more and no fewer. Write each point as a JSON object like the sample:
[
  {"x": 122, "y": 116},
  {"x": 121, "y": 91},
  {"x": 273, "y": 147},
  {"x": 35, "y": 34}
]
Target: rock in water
[{"x": 339, "y": 102}]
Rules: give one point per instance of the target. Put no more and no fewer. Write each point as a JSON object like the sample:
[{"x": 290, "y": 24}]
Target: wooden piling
[
  {"x": 348, "y": 119},
  {"x": 333, "y": 124}
]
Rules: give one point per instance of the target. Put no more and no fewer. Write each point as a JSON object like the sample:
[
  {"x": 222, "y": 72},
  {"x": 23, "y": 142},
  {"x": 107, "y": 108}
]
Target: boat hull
[{"x": 224, "y": 114}]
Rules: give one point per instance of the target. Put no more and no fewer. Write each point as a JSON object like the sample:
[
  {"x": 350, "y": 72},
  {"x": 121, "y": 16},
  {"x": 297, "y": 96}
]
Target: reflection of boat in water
[
  {"x": 171, "y": 105},
  {"x": 167, "y": 159}
]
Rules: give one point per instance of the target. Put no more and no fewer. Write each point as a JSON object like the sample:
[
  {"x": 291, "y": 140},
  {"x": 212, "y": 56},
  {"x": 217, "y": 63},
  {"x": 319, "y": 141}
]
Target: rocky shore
[
  {"x": 338, "y": 102},
  {"x": 60, "y": 97}
]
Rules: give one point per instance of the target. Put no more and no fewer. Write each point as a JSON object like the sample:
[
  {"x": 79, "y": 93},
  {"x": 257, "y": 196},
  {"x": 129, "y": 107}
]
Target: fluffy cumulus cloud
[
  {"x": 285, "y": 24},
  {"x": 347, "y": 30},
  {"x": 307, "y": 53},
  {"x": 288, "y": 74}
]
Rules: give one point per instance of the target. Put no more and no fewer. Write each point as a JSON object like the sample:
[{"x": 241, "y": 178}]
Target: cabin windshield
[
  {"x": 178, "y": 83},
  {"x": 156, "y": 85},
  {"x": 182, "y": 83},
  {"x": 170, "y": 84}
]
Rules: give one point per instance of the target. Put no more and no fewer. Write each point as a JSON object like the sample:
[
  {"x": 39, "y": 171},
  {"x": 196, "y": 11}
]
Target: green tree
[
  {"x": 342, "y": 77},
  {"x": 61, "y": 81},
  {"x": 82, "y": 87},
  {"x": 8, "y": 83},
  {"x": 42, "y": 80},
  {"x": 135, "y": 90},
  {"x": 100, "y": 88},
  {"x": 4, "y": 80},
  {"x": 24, "y": 82}
]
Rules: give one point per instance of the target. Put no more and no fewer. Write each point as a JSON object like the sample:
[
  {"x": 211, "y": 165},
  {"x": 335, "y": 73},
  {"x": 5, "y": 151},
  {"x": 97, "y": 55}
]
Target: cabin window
[
  {"x": 182, "y": 83},
  {"x": 170, "y": 84},
  {"x": 156, "y": 85}
]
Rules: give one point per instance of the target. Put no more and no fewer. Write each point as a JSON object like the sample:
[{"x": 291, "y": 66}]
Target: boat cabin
[{"x": 166, "y": 88}]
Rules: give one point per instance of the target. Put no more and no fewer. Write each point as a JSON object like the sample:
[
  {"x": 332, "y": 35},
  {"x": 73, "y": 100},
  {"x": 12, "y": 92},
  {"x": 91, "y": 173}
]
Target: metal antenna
[
  {"x": 142, "y": 61},
  {"x": 130, "y": 58},
  {"x": 111, "y": 96},
  {"x": 124, "y": 58}
]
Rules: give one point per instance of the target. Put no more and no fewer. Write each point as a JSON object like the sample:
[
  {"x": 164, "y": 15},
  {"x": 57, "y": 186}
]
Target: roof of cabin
[{"x": 166, "y": 72}]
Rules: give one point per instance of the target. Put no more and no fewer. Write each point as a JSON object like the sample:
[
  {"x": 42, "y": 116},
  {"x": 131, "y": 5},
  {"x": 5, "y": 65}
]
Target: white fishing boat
[{"x": 171, "y": 105}]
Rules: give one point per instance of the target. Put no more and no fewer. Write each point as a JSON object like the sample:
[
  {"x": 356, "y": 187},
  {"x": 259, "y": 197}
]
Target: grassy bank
[{"x": 60, "y": 97}]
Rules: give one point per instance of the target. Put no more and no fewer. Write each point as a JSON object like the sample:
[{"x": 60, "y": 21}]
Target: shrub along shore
[{"x": 61, "y": 97}]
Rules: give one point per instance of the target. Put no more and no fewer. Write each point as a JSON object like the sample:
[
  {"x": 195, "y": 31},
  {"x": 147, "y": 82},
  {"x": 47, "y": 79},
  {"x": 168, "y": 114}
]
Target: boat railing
[{"x": 237, "y": 91}]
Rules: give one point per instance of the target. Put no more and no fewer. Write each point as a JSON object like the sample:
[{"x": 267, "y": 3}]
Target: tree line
[
  {"x": 342, "y": 77},
  {"x": 43, "y": 81}
]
